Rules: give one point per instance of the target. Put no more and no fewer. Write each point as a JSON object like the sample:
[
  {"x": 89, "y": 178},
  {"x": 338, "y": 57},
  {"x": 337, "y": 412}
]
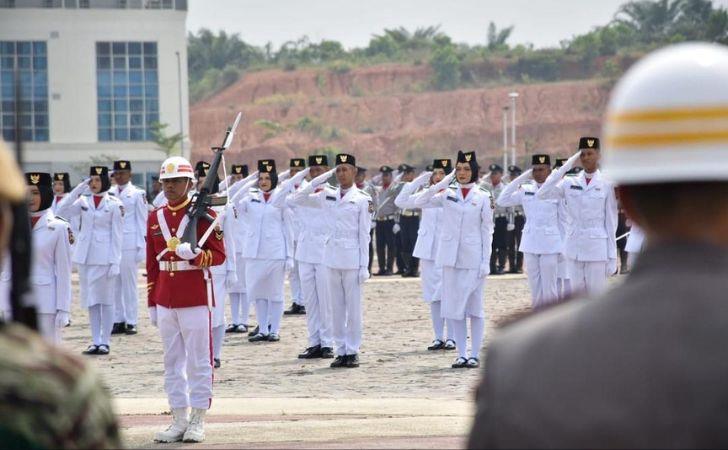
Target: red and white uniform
[{"x": 180, "y": 290}]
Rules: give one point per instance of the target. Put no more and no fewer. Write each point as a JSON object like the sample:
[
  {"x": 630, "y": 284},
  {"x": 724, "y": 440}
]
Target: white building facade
[{"x": 95, "y": 75}]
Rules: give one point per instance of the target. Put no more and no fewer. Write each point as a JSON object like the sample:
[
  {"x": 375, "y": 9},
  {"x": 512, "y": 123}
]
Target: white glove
[
  {"x": 484, "y": 269},
  {"x": 373, "y": 225},
  {"x": 572, "y": 160},
  {"x": 113, "y": 270},
  {"x": 231, "y": 279},
  {"x": 445, "y": 182},
  {"x": 510, "y": 226},
  {"x": 363, "y": 275},
  {"x": 283, "y": 176},
  {"x": 396, "y": 228},
  {"x": 289, "y": 265},
  {"x": 184, "y": 251},
  {"x": 153, "y": 315},
  {"x": 62, "y": 318},
  {"x": 296, "y": 179},
  {"x": 141, "y": 254},
  {"x": 611, "y": 267},
  {"x": 422, "y": 179},
  {"x": 323, "y": 178}
]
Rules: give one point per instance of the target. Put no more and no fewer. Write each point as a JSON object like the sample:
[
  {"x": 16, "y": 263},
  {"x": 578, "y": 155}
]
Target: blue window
[
  {"x": 128, "y": 90},
  {"x": 30, "y": 60}
]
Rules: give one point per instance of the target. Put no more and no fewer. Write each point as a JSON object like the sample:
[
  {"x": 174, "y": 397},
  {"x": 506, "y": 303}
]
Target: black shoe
[
  {"x": 91, "y": 350},
  {"x": 258, "y": 338},
  {"x": 327, "y": 352},
  {"x": 460, "y": 363},
  {"x": 399, "y": 272},
  {"x": 473, "y": 363},
  {"x": 311, "y": 352},
  {"x": 69, "y": 323},
  {"x": 216, "y": 363},
  {"x": 233, "y": 328},
  {"x": 104, "y": 350},
  {"x": 340, "y": 361},
  {"x": 255, "y": 331},
  {"x": 513, "y": 271},
  {"x": 131, "y": 329},
  {"x": 383, "y": 273},
  {"x": 352, "y": 361},
  {"x": 449, "y": 345},
  {"x": 295, "y": 309},
  {"x": 119, "y": 328},
  {"x": 498, "y": 271},
  {"x": 272, "y": 337},
  {"x": 436, "y": 345}
]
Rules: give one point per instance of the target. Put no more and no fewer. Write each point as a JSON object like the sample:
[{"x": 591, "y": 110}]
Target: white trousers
[
  {"x": 185, "y": 336},
  {"x": 588, "y": 277},
  {"x": 47, "y": 328},
  {"x": 294, "y": 278},
  {"x": 345, "y": 292},
  {"x": 542, "y": 274},
  {"x": 126, "y": 296},
  {"x": 314, "y": 289}
]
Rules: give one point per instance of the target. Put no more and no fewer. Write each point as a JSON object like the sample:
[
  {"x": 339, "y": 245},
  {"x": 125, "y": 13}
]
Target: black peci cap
[
  {"x": 318, "y": 160},
  {"x": 587, "y": 143},
  {"x": 343, "y": 158}
]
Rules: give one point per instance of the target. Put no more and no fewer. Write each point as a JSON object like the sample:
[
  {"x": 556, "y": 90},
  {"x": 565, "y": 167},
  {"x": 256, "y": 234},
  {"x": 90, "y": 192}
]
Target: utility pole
[
  {"x": 181, "y": 115},
  {"x": 505, "y": 137},
  {"x": 513, "y": 96}
]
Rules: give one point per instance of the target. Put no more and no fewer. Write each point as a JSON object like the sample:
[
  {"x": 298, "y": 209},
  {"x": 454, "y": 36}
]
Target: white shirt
[{"x": 134, "y": 201}]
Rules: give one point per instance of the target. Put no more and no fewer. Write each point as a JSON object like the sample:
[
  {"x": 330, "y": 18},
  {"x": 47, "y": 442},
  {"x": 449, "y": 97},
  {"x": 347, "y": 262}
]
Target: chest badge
[{"x": 173, "y": 243}]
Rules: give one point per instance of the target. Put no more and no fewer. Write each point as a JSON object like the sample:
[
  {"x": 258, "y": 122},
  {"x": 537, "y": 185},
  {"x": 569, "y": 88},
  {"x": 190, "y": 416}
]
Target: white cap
[
  {"x": 667, "y": 120},
  {"x": 176, "y": 167}
]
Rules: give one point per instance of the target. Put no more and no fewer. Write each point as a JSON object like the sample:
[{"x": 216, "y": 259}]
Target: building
[{"x": 95, "y": 76}]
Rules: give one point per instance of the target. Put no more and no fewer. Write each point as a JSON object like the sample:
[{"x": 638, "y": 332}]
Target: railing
[{"x": 180, "y": 5}]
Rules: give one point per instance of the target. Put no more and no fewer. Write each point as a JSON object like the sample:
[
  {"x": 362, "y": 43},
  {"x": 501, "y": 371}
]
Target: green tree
[
  {"x": 446, "y": 65},
  {"x": 497, "y": 39},
  {"x": 170, "y": 144}
]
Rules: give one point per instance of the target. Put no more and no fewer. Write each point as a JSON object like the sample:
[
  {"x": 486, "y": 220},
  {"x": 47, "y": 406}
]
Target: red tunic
[{"x": 180, "y": 289}]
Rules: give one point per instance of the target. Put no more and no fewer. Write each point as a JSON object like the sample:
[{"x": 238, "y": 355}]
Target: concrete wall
[{"x": 71, "y": 35}]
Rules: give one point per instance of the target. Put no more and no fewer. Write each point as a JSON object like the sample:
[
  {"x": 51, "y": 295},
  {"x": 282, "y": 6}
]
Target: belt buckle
[{"x": 172, "y": 266}]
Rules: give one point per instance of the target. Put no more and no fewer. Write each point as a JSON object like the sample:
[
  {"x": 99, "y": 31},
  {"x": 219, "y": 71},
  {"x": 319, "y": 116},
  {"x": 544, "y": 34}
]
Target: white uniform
[
  {"x": 346, "y": 254},
  {"x": 75, "y": 222},
  {"x": 542, "y": 239},
  {"x": 126, "y": 297},
  {"x": 223, "y": 275},
  {"x": 314, "y": 228},
  {"x": 590, "y": 244},
  {"x": 428, "y": 236},
  {"x": 464, "y": 253},
  {"x": 294, "y": 278},
  {"x": 635, "y": 244},
  {"x": 267, "y": 247},
  {"x": 97, "y": 254},
  {"x": 50, "y": 274}
]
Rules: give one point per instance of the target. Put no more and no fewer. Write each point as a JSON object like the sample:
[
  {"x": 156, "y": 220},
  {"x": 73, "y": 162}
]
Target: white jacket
[
  {"x": 50, "y": 274},
  {"x": 467, "y": 226},
  {"x": 268, "y": 235},
  {"x": 101, "y": 233},
  {"x": 136, "y": 212},
  {"x": 428, "y": 233},
  {"x": 314, "y": 228},
  {"x": 543, "y": 232}
]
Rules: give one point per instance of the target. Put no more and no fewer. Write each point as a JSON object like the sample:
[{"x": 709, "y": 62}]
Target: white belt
[{"x": 176, "y": 266}]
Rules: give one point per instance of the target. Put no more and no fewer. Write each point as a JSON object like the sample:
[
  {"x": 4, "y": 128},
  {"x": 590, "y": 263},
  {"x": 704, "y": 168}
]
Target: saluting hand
[{"x": 323, "y": 178}]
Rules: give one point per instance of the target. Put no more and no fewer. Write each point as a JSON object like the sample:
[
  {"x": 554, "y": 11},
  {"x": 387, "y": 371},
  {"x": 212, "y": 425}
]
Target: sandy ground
[{"x": 401, "y": 396}]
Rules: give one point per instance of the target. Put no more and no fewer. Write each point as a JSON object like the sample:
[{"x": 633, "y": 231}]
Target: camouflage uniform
[{"x": 50, "y": 399}]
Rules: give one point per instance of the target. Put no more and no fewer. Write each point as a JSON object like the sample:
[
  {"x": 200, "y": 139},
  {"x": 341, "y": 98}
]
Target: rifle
[
  {"x": 20, "y": 237},
  {"x": 203, "y": 199}
]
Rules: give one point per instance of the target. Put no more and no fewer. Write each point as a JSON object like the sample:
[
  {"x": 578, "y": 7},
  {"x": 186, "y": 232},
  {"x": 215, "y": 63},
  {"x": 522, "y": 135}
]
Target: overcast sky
[{"x": 352, "y": 22}]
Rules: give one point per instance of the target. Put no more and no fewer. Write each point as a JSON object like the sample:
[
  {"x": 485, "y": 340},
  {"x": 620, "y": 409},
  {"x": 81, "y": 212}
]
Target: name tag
[
  {"x": 452, "y": 199},
  {"x": 578, "y": 188},
  {"x": 255, "y": 200},
  {"x": 328, "y": 197},
  {"x": 529, "y": 193},
  {"x": 84, "y": 208},
  {"x": 159, "y": 233}
]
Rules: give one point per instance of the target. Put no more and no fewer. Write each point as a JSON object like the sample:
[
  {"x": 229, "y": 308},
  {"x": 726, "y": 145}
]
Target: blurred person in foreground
[
  {"x": 50, "y": 398},
  {"x": 642, "y": 365}
]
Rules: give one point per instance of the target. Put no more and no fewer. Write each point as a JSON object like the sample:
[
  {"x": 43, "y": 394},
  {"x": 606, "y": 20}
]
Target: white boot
[
  {"x": 196, "y": 429},
  {"x": 176, "y": 430}
]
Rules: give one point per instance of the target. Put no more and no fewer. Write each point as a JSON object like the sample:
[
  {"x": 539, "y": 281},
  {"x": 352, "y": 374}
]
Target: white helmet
[
  {"x": 176, "y": 167},
  {"x": 667, "y": 119}
]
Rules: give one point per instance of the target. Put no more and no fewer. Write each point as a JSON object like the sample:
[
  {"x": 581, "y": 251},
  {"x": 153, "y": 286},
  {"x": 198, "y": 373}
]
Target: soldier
[
  {"x": 591, "y": 248},
  {"x": 268, "y": 250},
  {"x": 314, "y": 230},
  {"x": 516, "y": 222},
  {"x": 126, "y": 298},
  {"x": 345, "y": 252},
  {"x": 385, "y": 214},
  {"x": 368, "y": 188},
  {"x": 463, "y": 252},
  {"x": 543, "y": 237},
  {"x": 98, "y": 251},
  {"x": 51, "y": 262},
  {"x": 428, "y": 238},
  {"x": 641, "y": 366},
  {"x": 223, "y": 275},
  {"x": 180, "y": 299},
  {"x": 294, "y": 280},
  {"x": 495, "y": 185},
  {"x": 409, "y": 223}
]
